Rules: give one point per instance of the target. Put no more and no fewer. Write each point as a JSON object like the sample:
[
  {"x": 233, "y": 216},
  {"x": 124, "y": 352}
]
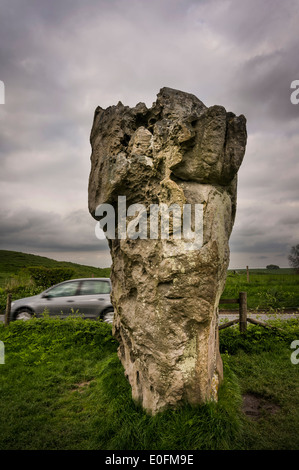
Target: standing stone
[{"x": 165, "y": 296}]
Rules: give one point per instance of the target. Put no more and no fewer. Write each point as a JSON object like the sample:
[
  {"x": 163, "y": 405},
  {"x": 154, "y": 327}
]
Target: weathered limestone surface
[{"x": 166, "y": 298}]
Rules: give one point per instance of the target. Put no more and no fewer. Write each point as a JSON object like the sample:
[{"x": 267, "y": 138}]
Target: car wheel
[
  {"x": 23, "y": 315},
  {"x": 107, "y": 316}
]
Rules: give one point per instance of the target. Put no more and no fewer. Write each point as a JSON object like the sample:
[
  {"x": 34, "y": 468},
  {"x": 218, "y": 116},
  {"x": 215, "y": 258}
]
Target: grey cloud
[
  {"x": 261, "y": 247},
  {"x": 260, "y": 44}
]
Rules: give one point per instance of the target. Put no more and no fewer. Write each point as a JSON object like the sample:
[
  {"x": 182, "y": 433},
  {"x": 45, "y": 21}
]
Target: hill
[{"x": 13, "y": 262}]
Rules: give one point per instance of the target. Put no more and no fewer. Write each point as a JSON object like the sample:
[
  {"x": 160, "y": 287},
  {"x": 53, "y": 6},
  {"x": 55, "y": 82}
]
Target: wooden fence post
[
  {"x": 7, "y": 311},
  {"x": 243, "y": 311}
]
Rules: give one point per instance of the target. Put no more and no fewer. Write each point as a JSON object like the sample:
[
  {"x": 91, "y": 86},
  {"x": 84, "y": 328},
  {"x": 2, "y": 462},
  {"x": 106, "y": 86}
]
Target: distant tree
[
  {"x": 272, "y": 266},
  {"x": 294, "y": 258}
]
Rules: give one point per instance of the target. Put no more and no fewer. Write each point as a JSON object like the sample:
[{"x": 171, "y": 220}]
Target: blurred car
[{"x": 89, "y": 297}]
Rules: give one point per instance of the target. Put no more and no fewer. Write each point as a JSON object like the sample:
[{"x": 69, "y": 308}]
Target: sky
[{"x": 60, "y": 59}]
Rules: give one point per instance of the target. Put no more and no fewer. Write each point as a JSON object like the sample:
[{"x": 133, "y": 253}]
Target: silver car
[{"x": 89, "y": 297}]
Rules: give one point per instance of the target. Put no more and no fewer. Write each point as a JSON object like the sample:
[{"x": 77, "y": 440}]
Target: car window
[
  {"x": 64, "y": 290},
  {"x": 95, "y": 287}
]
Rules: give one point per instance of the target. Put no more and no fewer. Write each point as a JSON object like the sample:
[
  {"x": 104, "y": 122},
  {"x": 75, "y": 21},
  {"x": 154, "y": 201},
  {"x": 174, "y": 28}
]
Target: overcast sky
[{"x": 60, "y": 59}]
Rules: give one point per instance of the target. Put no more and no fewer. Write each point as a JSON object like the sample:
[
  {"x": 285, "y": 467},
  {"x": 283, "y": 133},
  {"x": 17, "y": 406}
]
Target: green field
[
  {"x": 270, "y": 290},
  {"x": 62, "y": 387}
]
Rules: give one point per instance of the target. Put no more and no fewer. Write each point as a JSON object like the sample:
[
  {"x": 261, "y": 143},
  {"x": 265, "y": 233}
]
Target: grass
[
  {"x": 62, "y": 387},
  {"x": 262, "y": 362}
]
